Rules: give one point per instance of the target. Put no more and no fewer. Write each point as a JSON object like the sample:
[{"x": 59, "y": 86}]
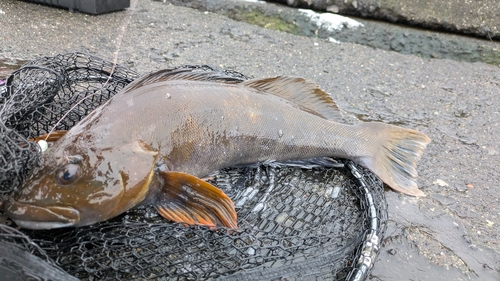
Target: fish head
[{"x": 74, "y": 187}]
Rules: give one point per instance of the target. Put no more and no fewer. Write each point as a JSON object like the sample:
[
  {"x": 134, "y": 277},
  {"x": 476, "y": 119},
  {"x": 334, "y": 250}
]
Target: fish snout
[{"x": 31, "y": 216}]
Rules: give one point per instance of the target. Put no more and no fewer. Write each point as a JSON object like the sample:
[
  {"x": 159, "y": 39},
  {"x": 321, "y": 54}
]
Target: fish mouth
[{"x": 35, "y": 217}]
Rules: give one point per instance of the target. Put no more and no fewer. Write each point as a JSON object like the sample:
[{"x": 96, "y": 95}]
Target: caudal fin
[{"x": 394, "y": 156}]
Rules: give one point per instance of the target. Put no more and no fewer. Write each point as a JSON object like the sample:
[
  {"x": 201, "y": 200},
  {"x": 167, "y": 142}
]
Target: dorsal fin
[
  {"x": 305, "y": 94},
  {"x": 195, "y": 73}
]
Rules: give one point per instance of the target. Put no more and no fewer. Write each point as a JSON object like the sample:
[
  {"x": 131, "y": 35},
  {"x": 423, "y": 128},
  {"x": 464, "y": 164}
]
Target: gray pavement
[{"x": 454, "y": 232}]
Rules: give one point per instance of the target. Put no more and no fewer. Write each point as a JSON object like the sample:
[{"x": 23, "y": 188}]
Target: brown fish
[{"x": 156, "y": 139}]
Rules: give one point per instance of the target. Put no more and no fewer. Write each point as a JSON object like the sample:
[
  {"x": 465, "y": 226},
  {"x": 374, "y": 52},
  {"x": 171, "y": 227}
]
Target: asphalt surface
[{"x": 453, "y": 233}]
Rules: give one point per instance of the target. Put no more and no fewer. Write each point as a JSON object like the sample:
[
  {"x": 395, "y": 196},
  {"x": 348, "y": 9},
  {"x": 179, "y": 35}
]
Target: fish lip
[
  {"x": 36, "y": 225},
  {"x": 31, "y": 216}
]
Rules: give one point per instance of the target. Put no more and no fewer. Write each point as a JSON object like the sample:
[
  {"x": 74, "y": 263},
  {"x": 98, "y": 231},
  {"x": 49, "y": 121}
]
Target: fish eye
[{"x": 68, "y": 174}]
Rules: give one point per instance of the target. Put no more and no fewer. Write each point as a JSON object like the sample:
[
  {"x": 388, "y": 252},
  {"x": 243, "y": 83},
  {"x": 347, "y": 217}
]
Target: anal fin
[
  {"x": 311, "y": 163},
  {"x": 187, "y": 199}
]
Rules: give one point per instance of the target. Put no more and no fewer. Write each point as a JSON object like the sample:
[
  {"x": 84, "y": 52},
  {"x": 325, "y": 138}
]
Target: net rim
[{"x": 367, "y": 252}]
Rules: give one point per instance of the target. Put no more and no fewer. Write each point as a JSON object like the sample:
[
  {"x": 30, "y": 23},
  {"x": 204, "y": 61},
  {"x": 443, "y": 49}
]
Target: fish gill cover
[{"x": 307, "y": 224}]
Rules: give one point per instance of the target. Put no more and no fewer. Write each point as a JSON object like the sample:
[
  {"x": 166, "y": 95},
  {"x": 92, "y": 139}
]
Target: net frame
[{"x": 43, "y": 88}]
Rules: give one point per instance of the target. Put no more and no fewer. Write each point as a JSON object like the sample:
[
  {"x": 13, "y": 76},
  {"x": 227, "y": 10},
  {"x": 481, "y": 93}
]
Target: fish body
[{"x": 153, "y": 142}]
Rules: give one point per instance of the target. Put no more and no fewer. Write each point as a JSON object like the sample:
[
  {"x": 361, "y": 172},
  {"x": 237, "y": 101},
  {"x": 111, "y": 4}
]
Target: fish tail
[{"x": 394, "y": 154}]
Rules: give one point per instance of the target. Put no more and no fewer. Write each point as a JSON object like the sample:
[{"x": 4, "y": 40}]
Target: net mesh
[{"x": 294, "y": 223}]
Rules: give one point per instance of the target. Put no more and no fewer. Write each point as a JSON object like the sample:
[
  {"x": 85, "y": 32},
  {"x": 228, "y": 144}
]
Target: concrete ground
[
  {"x": 478, "y": 18},
  {"x": 452, "y": 234}
]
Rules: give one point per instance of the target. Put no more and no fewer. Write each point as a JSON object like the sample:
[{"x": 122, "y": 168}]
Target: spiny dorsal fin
[
  {"x": 194, "y": 73},
  {"x": 305, "y": 94}
]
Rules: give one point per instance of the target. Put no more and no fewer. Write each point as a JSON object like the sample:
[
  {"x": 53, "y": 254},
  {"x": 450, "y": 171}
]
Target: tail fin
[{"x": 395, "y": 154}]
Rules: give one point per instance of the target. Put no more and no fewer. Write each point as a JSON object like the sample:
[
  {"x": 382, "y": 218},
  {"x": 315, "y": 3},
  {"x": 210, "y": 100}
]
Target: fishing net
[{"x": 294, "y": 223}]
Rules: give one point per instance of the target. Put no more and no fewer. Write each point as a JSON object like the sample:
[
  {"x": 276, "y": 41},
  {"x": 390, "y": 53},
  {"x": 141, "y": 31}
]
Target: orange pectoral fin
[{"x": 188, "y": 199}]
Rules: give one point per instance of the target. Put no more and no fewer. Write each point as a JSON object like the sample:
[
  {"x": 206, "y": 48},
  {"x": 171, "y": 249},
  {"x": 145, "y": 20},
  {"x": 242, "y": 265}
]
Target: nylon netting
[{"x": 294, "y": 223}]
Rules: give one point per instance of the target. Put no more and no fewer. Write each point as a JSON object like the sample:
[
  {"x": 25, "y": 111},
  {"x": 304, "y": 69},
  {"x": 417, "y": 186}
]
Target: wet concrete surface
[
  {"x": 335, "y": 28},
  {"x": 7, "y": 66},
  {"x": 468, "y": 17},
  {"x": 452, "y": 234}
]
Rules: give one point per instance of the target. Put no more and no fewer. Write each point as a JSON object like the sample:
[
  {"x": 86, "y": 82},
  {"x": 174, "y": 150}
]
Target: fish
[{"x": 157, "y": 140}]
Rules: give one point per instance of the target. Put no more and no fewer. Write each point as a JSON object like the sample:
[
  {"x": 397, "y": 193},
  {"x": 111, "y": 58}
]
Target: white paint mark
[
  {"x": 330, "y": 21},
  {"x": 255, "y": 1}
]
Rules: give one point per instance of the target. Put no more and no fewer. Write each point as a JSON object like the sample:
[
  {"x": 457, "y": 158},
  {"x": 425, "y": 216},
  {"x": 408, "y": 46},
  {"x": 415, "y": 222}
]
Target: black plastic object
[
  {"x": 293, "y": 223},
  {"x": 94, "y": 7}
]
